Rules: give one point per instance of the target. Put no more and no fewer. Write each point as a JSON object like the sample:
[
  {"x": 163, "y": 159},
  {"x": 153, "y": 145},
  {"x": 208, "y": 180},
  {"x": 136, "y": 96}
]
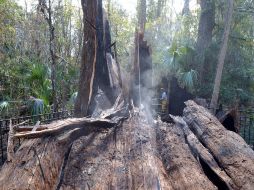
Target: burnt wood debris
[{"x": 114, "y": 142}]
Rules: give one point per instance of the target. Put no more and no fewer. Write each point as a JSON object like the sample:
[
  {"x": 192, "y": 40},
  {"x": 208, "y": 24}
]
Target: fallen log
[
  {"x": 206, "y": 160},
  {"x": 133, "y": 153},
  {"x": 230, "y": 151},
  {"x": 183, "y": 169},
  {"x": 39, "y": 163}
]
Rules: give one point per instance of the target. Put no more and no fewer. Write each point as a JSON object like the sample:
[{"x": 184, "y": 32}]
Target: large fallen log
[
  {"x": 39, "y": 163},
  {"x": 206, "y": 160},
  {"x": 231, "y": 152},
  {"x": 183, "y": 169},
  {"x": 114, "y": 153}
]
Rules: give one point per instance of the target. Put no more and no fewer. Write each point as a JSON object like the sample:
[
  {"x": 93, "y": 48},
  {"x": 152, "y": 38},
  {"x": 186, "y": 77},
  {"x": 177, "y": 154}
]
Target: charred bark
[
  {"x": 141, "y": 90},
  {"x": 183, "y": 169},
  {"x": 88, "y": 59},
  {"x": 228, "y": 148}
]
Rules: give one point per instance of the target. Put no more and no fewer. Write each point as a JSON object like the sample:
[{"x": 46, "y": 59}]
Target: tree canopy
[{"x": 185, "y": 44}]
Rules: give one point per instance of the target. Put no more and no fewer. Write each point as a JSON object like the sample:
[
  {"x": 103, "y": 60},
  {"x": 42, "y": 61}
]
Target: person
[{"x": 164, "y": 100}]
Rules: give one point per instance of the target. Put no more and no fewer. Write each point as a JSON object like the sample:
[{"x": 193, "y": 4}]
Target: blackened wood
[
  {"x": 228, "y": 148},
  {"x": 88, "y": 59}
]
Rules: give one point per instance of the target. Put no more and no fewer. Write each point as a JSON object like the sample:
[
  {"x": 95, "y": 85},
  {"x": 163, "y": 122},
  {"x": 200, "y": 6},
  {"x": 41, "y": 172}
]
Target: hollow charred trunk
[
  {"x": 96, "y": 70},
  {"x": 88, "y": 59},
  {"x": 141, "y": 91}
]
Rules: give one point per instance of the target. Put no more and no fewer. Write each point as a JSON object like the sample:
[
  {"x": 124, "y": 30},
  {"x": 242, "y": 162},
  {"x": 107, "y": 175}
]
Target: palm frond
[
  {"x": 73, "y": 97},
  {"x": 4, "y": 106},
  {"x": 188, "y": 78}
]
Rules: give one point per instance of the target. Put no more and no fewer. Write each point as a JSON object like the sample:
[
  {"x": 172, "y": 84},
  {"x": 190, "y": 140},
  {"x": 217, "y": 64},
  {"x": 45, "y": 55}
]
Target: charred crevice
[
  {"x": 61, "y": 178},
  {"x": 229, "y": 124},
  {"x": 177, "y": 97},
  {"x": 213, "y": 177}
]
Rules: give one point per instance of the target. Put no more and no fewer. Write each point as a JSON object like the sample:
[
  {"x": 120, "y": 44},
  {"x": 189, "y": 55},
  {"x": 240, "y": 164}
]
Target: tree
[
  {"x": 222, "y": 55},
  {"x": 46, "y": 10},
  {"x": 142, "y": 15},
  {"x": 160, "y": 5},
  {"x": 205, "y": 33},
  {"x": 88, "y": 59},
  {"x": 186, "y": 8}
]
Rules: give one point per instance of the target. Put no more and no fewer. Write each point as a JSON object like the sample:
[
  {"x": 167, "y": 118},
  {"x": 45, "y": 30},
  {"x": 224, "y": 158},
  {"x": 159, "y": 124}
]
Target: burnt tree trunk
[
  {"x": 141, "y": 90},
  {"x": 101, "y": 69},
  {"x": 95, "y": 68},
  {"x": 88, "y": 59}
]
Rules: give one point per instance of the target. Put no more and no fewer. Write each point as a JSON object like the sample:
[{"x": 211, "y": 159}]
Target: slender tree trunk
[
  {"x": 88, "y": 59},
  {"x": 186, "y": 8},
  {"x": 53, "y": 59},
  {"x": 205, "y": 30},
  {"x": 47, "y": 13},
  {"x": 222, "y": 56},
  {"x": 80, "y": 38},
  {"x": 109, "y": 8},
  {"x": 142, "y": 15},
  {"x": 160, "y": 5}
]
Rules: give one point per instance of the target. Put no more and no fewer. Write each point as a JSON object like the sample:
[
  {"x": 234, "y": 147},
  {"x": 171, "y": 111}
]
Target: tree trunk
[
  {"x": 160, "y": 5},
  {"x": 88, "y": 59},
  {"x": 205, "y": 30},
  {"x": 141, "y": 92},
  {"x": 186, "y": 8},
  {"x": 47, "y": 13},
  {"x": 101, "y": 78},
  {"x": 142, "y": 15},
  {"x": 101, "y": 72},
  {"x": 222, "y": 56}
]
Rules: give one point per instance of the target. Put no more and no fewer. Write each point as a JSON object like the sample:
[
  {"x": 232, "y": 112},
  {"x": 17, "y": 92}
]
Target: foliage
[
  {"x": 173, "y": 39},
  {"x": 4, "y": 108},
  {"x": 24, "y": 56},
  {"x": 122, "y": 31},
  {"x": 73, "y": 97},
  {"x": 36, "y": 106},
  {"x": 25, "y": 65}
]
